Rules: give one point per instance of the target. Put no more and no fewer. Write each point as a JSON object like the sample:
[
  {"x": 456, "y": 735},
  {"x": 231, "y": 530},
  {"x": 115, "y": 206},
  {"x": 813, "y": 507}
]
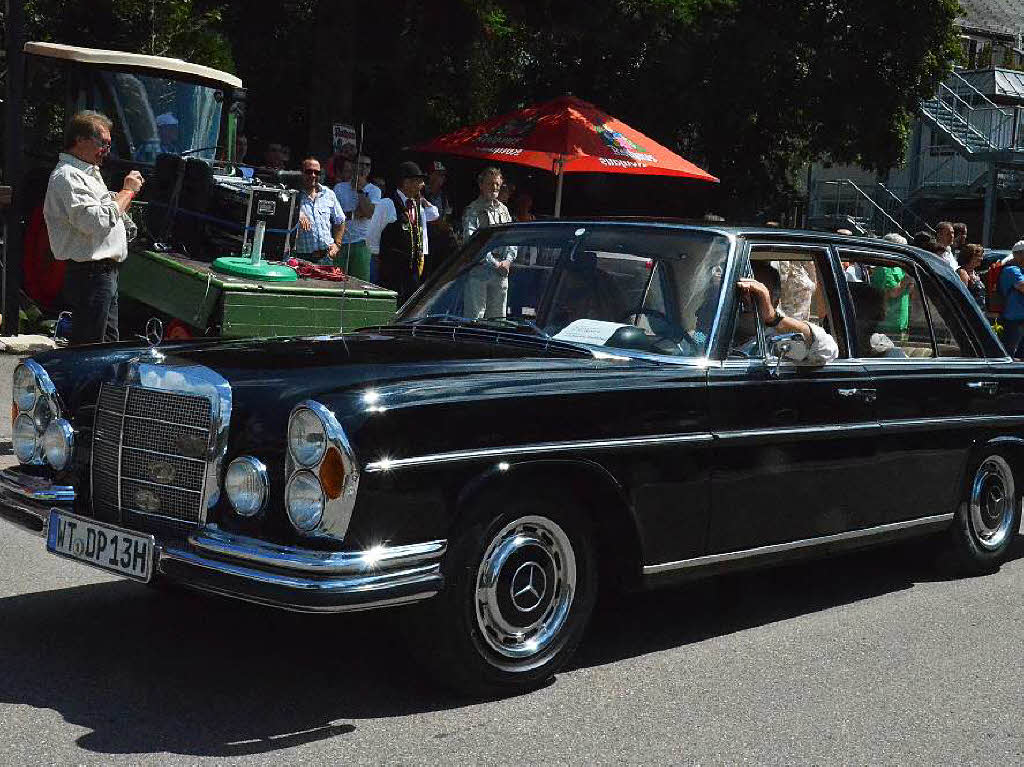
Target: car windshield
[
  {"x": 155, "y": 115},
  {"x": 650, "y": 289}
]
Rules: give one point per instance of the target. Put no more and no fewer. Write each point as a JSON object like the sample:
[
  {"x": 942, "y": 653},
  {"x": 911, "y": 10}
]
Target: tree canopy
[{"x": 750, "y": 89}]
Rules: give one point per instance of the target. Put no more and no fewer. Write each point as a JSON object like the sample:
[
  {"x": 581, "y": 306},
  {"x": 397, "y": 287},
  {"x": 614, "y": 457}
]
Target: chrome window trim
[
  {"x": 804, "y": 543},
  {"x": 390, "y": 464},
  {"x": 337, "y": 514},
  {"x": 919, "y": 361}
]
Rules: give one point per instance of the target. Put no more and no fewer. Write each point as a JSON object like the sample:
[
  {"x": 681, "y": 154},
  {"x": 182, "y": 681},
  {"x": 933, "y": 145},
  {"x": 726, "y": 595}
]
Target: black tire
[
  {"x": 540, "y": 576},
  {"x": 988, "y": 516}
]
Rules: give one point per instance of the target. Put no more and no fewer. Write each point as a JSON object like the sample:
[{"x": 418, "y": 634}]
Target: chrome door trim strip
[
  {"x": 952, "y": 422},
  {"x": 389, "y": 464},
  {"x": 776, "y": 548},
  {"x": 821, "y": 430}
]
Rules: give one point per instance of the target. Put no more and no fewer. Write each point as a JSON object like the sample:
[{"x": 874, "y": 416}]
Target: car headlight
[
  {"x": 304, "y": 501},
  {"x": 247, "y": 485},
  {"x": 58, "y": 444},
  {"x": 25, "y": 439},
  {"x": 24, "y": 388},
  {"x": 44, "y": 413},
  {"x": 307, "y": 437}
]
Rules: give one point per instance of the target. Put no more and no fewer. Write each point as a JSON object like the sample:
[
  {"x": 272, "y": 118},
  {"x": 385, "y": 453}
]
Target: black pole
[{"x": 13, "y": 140}]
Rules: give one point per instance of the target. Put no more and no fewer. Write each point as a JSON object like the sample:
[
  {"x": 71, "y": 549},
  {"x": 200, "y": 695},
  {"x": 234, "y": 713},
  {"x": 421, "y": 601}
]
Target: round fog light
[
  {"x": 247, "y": 485},
  {"x": 25, "y": 439},
  {"x": 304, "y": 501},
  {"x": 58, "y": 444}
]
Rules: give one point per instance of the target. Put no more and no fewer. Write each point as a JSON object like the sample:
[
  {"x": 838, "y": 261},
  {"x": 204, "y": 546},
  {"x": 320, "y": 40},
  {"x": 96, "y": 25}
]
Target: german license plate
[{"x": 100, "y": 545}]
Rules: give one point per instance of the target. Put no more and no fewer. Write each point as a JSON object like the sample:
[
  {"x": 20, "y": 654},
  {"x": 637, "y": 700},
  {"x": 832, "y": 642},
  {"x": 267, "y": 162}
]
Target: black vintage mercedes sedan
[{"x": 564, "y": 407}]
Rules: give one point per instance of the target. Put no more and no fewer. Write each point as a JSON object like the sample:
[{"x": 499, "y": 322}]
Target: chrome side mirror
[{"x": 790, "y": 346}]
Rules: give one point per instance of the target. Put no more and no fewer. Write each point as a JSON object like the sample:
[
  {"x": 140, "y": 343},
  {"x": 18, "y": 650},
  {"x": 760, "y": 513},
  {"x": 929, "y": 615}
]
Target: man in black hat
[{"x": 397, "y": 234}]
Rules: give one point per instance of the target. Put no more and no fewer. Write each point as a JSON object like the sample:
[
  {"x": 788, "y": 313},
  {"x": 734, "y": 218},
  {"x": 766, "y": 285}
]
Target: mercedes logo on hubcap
[{"x": 529, "y": 584}]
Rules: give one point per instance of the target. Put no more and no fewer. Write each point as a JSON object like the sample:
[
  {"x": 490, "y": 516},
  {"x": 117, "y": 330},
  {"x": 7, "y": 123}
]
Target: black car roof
[{"x": 747, "y": 232}]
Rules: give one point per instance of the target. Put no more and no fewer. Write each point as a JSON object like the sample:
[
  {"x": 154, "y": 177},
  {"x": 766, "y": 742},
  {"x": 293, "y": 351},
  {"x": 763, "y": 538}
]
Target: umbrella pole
[{"x": 560, "y": 172}]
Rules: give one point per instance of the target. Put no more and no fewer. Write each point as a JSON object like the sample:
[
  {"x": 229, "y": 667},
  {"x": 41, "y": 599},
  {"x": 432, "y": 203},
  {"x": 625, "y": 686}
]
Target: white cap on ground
[{"x": 166, "y": 119}]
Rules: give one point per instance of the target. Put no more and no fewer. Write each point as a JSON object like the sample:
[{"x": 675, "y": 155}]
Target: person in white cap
[
  {"x": 1011, "y": 286},
  {"x": 167, "y": 127}
]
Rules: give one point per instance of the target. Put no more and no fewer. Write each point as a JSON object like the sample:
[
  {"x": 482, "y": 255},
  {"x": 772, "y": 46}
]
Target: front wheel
[
  {"x": 520, "y": 589},
  {"x": 987, "y": 520}
]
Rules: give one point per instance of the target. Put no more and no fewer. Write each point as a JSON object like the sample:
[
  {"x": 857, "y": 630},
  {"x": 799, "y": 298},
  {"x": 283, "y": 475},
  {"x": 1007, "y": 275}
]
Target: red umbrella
[{"x": 565, "y": 135}]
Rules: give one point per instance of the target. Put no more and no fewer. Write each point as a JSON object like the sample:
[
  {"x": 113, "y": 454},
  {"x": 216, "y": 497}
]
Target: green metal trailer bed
[{"x": 210, "y": 302}]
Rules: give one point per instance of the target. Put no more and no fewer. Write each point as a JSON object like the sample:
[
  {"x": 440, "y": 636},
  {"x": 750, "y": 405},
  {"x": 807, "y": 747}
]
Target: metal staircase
[
  {"x": 863, "y": 208},
  {"x": 977, "y": 127}
]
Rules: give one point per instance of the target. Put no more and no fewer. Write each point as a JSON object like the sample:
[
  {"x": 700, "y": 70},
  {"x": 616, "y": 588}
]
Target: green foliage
[
  {"x": 186, "y": 29},
  {"x": 749, "y": 89}
]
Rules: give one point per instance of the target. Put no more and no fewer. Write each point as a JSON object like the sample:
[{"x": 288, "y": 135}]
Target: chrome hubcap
[
  {"x": 524, "y": 587},
  {"x": 992, "y": 503}
]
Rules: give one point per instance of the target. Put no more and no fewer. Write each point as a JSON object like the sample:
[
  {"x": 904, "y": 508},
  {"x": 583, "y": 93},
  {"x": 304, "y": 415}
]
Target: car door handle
[
  {"x": 989, "y": 387},
  {"x": 864, "y": 395}
]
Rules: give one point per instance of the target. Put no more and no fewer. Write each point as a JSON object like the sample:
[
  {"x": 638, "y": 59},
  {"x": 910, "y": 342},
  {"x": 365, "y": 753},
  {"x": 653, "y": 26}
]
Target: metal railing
[
  {"x": 991, "y": 126},
  {"x": 845, "y": 198}
]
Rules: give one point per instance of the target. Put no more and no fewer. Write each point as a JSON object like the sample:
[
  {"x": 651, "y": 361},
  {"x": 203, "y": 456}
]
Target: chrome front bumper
[
  {"x": 25, "y": 500},
  {"x": 247, "y": 568}
]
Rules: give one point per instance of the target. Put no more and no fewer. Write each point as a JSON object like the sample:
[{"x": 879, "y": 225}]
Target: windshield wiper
[
  {"x": 455, "y": 319},
  {"x": 197, "y": 149},
  {"x": 504, "y": 322},
  {"x": 430, "y": 318}
]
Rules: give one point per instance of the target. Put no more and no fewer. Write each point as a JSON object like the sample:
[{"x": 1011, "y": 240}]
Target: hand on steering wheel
[{"x": 663, "y": 326}]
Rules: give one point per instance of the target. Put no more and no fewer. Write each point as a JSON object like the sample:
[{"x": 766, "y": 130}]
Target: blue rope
[{"x": 221, "y": 221}]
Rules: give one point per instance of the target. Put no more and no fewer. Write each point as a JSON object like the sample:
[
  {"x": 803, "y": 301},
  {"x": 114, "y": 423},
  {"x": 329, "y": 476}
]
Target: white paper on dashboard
[{"x": 594, "y": 332}]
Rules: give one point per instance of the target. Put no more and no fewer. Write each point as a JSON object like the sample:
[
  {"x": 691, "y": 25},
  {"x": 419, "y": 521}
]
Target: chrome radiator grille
[{"x": 149, "y": 454}]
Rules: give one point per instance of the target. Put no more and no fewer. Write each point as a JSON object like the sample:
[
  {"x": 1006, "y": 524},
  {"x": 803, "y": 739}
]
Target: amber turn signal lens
[
  {"x": 332, "y": 474},
  {"x": 14, "y": 413}
]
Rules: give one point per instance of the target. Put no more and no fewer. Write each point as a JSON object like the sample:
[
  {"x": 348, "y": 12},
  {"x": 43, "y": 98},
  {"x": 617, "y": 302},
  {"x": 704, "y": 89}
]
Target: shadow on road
[{"x": 151, "y": 672}]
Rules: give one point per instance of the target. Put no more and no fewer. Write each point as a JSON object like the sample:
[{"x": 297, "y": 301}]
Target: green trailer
[
  {"x": 145, "y": 96},
  {"x": 201, "y": 300}
]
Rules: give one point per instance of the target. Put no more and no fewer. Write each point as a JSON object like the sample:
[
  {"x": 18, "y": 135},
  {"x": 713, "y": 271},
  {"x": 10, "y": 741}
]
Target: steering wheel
[{"x": 664, "y": 327}]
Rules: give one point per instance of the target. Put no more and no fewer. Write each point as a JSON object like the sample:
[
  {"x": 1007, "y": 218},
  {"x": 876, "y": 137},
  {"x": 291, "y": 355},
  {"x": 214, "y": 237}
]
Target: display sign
[{"x": 344, "y": 138}]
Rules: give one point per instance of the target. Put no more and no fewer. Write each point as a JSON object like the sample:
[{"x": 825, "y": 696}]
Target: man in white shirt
[
  {"x": 357, "y": 197},
  {"x": 86, "y": 224},
  {"x": 944, "y": 236},
  {"x": 486, "y": 288},
  {"x": 400, "y": 242}
]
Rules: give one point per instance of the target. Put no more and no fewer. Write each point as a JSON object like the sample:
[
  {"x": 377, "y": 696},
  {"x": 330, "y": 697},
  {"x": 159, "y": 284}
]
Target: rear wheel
[
  {"x": 520, "y": 588},
  {"x": 988, "y": 517}
]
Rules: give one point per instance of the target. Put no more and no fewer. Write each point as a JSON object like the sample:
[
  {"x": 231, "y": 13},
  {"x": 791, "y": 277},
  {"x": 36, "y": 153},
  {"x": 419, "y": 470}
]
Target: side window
[
  {"x": 793, "y": 276},
  {"x": 950, "y": 338},
  {"x": 894, "y": 317}
]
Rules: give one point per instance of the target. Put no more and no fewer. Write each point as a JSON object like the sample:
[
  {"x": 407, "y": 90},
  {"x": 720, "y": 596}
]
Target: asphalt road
[{"x": 871, "y": 658}]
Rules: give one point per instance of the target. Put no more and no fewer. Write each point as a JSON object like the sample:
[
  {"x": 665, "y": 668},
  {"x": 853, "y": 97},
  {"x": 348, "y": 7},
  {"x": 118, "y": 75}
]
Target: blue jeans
[{"x": 1013, "y": 335}]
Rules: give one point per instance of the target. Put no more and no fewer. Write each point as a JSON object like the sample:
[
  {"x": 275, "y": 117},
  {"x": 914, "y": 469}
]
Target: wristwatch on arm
[{"x": 775, "y": 320}]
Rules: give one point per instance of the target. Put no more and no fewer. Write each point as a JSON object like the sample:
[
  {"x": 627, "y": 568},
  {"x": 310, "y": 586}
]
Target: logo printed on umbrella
[
  {"x": 511, "y": 133},
  {"x": 622, "y": 145}
]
